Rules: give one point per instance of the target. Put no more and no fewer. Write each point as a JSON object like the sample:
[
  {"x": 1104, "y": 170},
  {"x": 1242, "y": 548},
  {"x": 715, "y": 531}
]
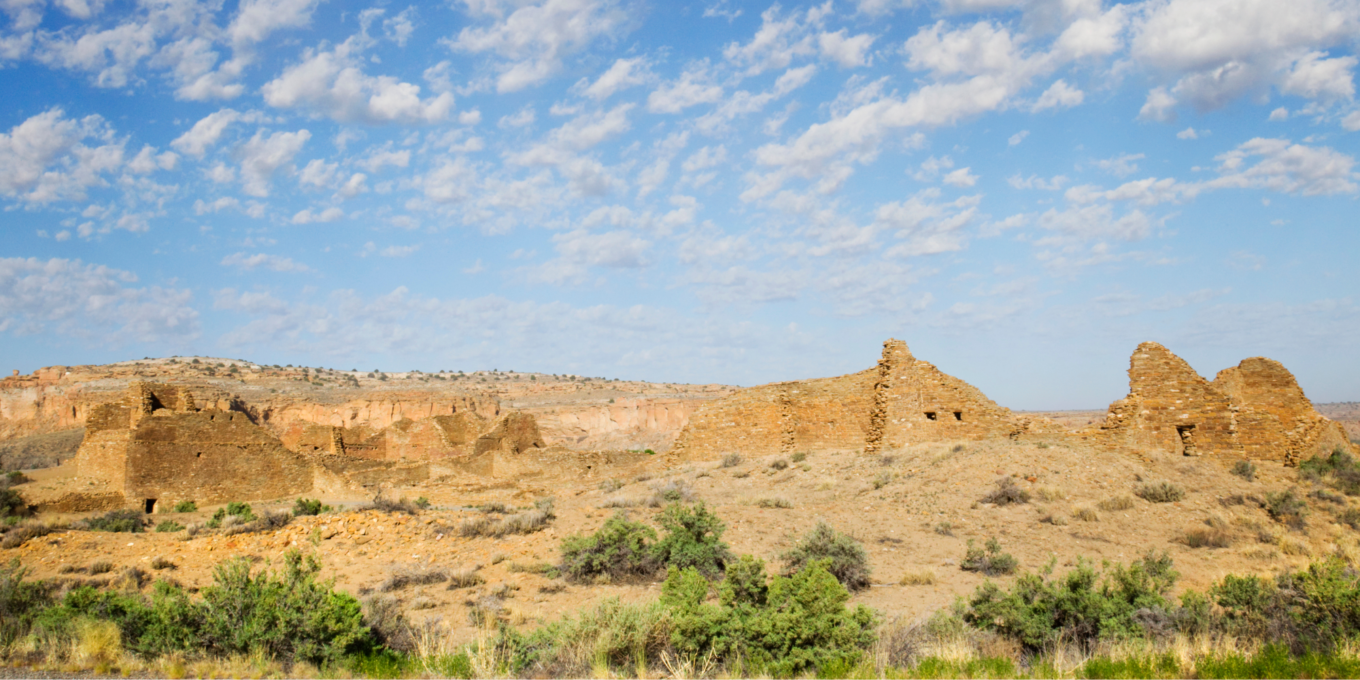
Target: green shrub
[
  {"x": 1244, "y": 469},
  {"x": 731, "y": 460},
  {"x": 290, "y": 615},
  {"x": 795, "y": 624},
  {"x": 20, "y": 601},
  {"x": 991, "y": 561},
  {"x": 186, "y": 506},
  {"x": 1159, "y": 492},
  {"x": 799, "y": 457},
  {"x": 423, "y": 503},
  {"x": 1350, "y": 517},
  {"x": 11, "y": 503},
  {"x": 1082, "y": 606},
  {"x": 693, "y": 540},
  {"x": 1286, "y": 508},
  {"x": 241, "y": 511},
  {"x": 309, "y": 506},
  {"x": 118, "y": 520},
  {"x": 1340, "y": 469},
  {"x": 169, "y": 526},
  {"x": 846, "y": 558},
  {"x": 620, "y": 549}
]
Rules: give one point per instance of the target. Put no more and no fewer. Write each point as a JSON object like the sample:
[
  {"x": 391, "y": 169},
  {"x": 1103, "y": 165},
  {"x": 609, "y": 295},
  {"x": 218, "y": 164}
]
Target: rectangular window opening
[
  {"x": 930, "y": 415},
  {"x": 958, "y": 415}
]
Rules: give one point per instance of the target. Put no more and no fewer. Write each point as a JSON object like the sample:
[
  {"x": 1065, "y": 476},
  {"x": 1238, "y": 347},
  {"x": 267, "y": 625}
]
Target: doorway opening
[
  {"x": 150, "y": 504},
  {"x": 1187, "y": 437}
]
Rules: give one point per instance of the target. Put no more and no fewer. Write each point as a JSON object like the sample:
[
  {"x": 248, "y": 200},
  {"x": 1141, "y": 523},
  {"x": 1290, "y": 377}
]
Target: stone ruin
[
  {"x": 1255, "y": 410},
  {"x": 155, "y": 446},
  {"x": 903, "y": 401}
]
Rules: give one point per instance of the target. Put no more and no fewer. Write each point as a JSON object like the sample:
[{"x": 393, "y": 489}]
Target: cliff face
[{"x": 405, "y": 413}]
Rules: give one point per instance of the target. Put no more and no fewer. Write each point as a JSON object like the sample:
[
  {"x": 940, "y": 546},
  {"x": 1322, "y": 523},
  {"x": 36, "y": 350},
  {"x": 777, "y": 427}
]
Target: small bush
[
  {"x": 693, "y": 540},
  {"x": 848, "y": 561},
  {"x": 130, "y": 521},
  {"x": 944, "y": 529},
  {"x": 22, "y": 533},
  {"x": 423, "y": 503},
  {"x": 620, "y": 549},
  {"x": 1086, "y": 514},
  {"x": 1116, "y": 504},
  {"x": 882, "y": 479},
  {"x": 731, "y": 460},
  {"x": 1054, "y": 519},
  {"x": 1006, "y": 493},
  {"x": 1206, "y": 538},
  {"x": 1244, "y": 469},
  {"x": 1340, "y": 469},
  {"x": 1049, "y": 494},
  {"x": 779, "y": 464},
  {"x": 407, "y": 577},
  {"x": 781, "y": 503},
  {"x": 100, "y": 567},
  {"x": 1286, "y": 508},
  {"x": 495, "y": 507},
  {"x": 309, "y": 507},
  {"x": 185, "y": 506},
  {"x": 391, "y": 506},
  {"x": 159, "y": 563},
  {"x": 799, "y": 457},
  {"x": 15, "y": 477},
  {"x": 1350, "y": 517},
  {"x": 241, "y": 512},
  {"x": 169, "y": 526},
  {"x": 465, "y": 577},
  {"x": 272, "y": 521},
  {"x": 1159, "y": 492},
  {"x": 990, "y": 561},
  {"x": 672, "y": 491},
  {"x": 543, "y": 569}
]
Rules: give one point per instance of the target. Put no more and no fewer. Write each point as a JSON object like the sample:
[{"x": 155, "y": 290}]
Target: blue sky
[{"x": 1023, "y": 190}]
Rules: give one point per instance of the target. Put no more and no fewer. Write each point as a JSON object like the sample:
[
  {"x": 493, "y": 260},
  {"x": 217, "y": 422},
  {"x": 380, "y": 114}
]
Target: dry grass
[
  {"x": 1160, "y": 492},
  {"x": 464, "y": 577},
  {"x": 1295, "y": 547},
  {"x": 918, "y": 578},
  {"x": 1116, "y": 503},
  {"x": 159, "y": 563},
  {"x": 525, "y": 522},
  {"x": 1206, "y": 538},
  {"x": 1049, "y": 494},
  {"x": 780, "y": 503},
  {"x": 1086, "y": 514},
  {"x": 1055, "y": 520},
  {"x": 1006, "y": 493},
  {"x": 731, "y": 460}
]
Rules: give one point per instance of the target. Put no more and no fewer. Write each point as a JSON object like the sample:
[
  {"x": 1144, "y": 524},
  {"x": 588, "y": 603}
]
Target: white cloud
[
  {"x": 262, "y": 155},
  {"x": 847, "y": 52},
  {"x": 578, "y": 250},
  {"x": 112, "y": 55},
  {"x": 1121, "y": 165},
  {"x": 318, "y": 173},
  {"x": 694, "y": 87},
  {"x": 308, "y": 217},
  {"x": 778, "y": 41},
  {"x": 399, "y": 251},
  {"x": 1058, "y": 95},
  {"x": 202, "y": 207},
  {"x": 275, "y": 263},
  {"x": 256, "y": 19},
  {"x": 451, "y": 182},
  {"x": 1036, "y": 182},
  {"x": 1160, "y": 106},
  {"x": 705, "y": 158},
  {"x": 1093, "y": 222},
  {"x": 924, "y": 226},
  {"x": 91, "y": 302},
  {"x": 1287, "y": 167},
  {"x": 960, "y": 178},
  {"x": 331, "y": 83},
  {"x": 355, "y": 185},
  {"x": 1279, "y": 114},
  {"x": 385, "y": 156},
  {"x": 147, "y": 161},
  {"x": 1224, "y": 49},
  {"x": 399, "y": 28},
  {"x": 521, "y": 118},
  {"x": 221, "y": 173},
  {"x": 1017, "y": 138},
  {"x": 205, "y": 133},
  {"x": 1187, "y": 133},
  {"x": 625, "y": 73},
  {"x": 43, "y": 158},
  {"x": 537, "y": 36},
  {"x": 1351, "y": 122},
  {"x": 1095, "y": 35}
]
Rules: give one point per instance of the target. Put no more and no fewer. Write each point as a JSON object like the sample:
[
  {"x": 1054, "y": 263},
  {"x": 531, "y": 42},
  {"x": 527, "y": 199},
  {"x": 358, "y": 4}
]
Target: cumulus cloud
[
  {"x": 1287, "y": 167},
  {"x": 535, "y": 37},
  {"x": 275, "y": 263},
  {"x": 257, "y": 19},
  {"x": 331, "y": 83},
  {"x": 923, "y": 225},
  {"x": 692, "y": 88},
  {"x": 205, "y": 133},
  {"x": 846, "y": 50},
  {"x": 95, "y": 303},
  {"x": 579, "y": 249},
  {"x": 264, "y": 154},
  {"x": 44, "y": 159},
  {"x": 309, "y": 217},
  {"x": 1059, "y": 95}
]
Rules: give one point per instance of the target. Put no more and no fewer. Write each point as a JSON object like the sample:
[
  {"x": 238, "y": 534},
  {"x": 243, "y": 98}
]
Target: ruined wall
[
  {"x": 514, "y": 433},
  {"x": 1170, "y": 408},
  {"x": 920, "y": 403},
  {"x": 103, "y": 455},
  {"x": 1275, "y": 421},
  {"x": 210, "y": 457},
  {"x": 826, "y": 413}
]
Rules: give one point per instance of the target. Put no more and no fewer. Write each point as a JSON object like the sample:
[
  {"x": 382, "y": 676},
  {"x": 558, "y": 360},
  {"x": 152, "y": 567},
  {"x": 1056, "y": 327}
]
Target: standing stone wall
[
  {"x": 923, "y": 404},
  {"x": 1275, "y": 421}
]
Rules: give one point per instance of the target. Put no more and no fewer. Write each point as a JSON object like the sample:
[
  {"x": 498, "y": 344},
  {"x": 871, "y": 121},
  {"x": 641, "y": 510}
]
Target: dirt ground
[{"x": 914, "y": 509}]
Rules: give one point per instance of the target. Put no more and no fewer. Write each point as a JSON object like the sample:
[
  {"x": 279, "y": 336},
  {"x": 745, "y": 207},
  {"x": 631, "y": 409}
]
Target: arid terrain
[{"x": 609, "y": 445}]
